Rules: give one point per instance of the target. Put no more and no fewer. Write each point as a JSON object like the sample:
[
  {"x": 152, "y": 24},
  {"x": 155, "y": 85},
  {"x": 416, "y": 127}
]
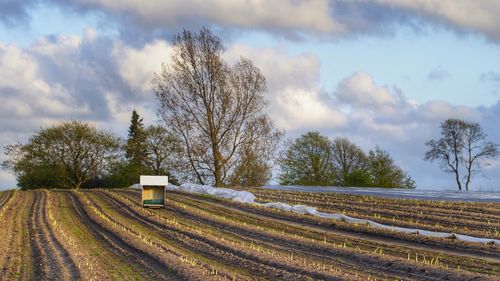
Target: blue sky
[
  {"x": 406, "y": 59},
  {"x": 379, "y": 72}
]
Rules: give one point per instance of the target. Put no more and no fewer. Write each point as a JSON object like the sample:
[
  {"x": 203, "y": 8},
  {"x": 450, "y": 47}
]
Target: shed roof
[{"x": 154, "y": 180}]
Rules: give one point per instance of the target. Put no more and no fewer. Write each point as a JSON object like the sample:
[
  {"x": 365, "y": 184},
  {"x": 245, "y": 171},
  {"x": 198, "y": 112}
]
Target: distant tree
[
  {"x": 350, "y": 162},
  {"x": 256, "y": 156},
  {"x": 164, "y": 152},
  {"x": 384, "y": 171},
  {"x": 210, "y": 105},
  {"x": 308, "y": 160},
  {"x": 252, "y": 170},
  {"x": 66, "y": 155},
  {"x": 359, "y": 178},
  {"x": 133, "y": 156},
  {"x": 462, "y": 147},
  {"x": 135, "y": 149}
]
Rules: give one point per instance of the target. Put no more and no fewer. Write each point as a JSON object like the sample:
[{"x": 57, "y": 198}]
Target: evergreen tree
[{"x": 136, "y": 147}]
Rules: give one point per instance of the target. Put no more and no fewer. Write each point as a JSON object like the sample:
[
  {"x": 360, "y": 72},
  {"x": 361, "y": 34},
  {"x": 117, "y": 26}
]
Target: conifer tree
[{"x": 136, "y": 147}]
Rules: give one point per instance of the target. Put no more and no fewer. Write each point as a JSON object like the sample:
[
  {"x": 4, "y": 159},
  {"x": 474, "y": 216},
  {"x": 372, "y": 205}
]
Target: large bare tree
[
  {"x": 211, "y": 106},
  {"x": 461, "y": 148}
]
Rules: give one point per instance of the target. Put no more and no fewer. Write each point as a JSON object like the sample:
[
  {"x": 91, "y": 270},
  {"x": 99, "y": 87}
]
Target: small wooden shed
[{"x": 153, "y": 191}]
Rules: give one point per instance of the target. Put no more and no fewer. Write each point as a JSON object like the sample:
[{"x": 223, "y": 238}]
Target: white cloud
[
  {"x": 260, "y": 14},
  {"x": 438, "y": 110},
  {"x": 137, "y": 66},
  {"x": 25, "y": 91},
  {"x": 7, "y": 180},
  {"x": 302, "y": 109},
  {"x": 280, "y": 69},
  {"x": 143, "y": 20},
  {"x": 66, "y": 77},
  {"x": 296, "y": 101},
  {"x": 359, "y": 90},
  {"x": 289, "y": 18},
  {"x": 464, "y": 15}
]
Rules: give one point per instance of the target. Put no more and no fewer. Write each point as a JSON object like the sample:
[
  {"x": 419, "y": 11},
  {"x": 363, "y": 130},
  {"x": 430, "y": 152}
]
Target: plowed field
[{"x": 106, "y": 235}]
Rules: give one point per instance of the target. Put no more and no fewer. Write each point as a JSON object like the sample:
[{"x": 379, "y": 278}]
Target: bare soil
[{"x": 107, "y": 235}]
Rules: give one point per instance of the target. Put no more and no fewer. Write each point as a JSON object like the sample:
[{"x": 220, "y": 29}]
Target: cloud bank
[{"x": 325, "y": 19}]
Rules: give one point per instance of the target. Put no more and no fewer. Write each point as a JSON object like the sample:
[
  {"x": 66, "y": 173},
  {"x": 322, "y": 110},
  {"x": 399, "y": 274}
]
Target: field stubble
[{"x": 106, "y": 235}]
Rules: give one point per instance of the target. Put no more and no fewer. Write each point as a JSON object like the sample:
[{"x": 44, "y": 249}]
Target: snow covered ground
[{"x": 448, "y": 195}]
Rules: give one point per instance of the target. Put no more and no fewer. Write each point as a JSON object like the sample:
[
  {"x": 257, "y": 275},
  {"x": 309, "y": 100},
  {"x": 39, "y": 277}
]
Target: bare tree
[
  {"x": 256, "y": 157},
  {"x": 210, "y": 105},
  {"x": 462, "y": 147},
  {"x": 347, "y": 159},
  {"x": 163, "y": 151},
  {"x": 476, "y": 150}
]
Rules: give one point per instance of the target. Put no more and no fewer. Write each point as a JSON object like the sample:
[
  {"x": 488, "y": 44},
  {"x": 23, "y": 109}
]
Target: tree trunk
[
  {"x": 217, "y": 169},
  {"x": 469, "y": 167},
  {"x": 468, "y": 178},
  {"x": 455, "y": 152},
  {"x": 457, "y": 178}
]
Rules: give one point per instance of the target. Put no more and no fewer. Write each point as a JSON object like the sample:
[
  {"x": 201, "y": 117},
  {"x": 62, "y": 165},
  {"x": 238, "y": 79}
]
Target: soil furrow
[
  {"x": 344, "y": 259},
  {"x": 131, "y": 226},
  {"x": 284, "y": 217},
  {"x": 271, "y": 242},
  {"x": 403, "y": 218},
  {"x": 113, "y": 241},
  {"x": 69, "y": 269},
  {"x": 383, "y": 266},
  {"x": 46, "y": 266},
  {"x": 472, "y": 208},
  {"x": 15, "y": 241},
  {"x": 4, "y": 197},
  {"x": 96, "y": 260},
  {"x": 475, "y": 267},
  {"x": 483, "y": 227},
  {"x": 170, "y": 233},
  {"x": 108, "y": 235}
]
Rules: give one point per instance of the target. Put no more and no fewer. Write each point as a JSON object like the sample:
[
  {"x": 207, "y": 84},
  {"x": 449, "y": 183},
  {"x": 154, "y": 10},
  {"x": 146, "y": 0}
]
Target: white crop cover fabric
[
  {"x": 248, "y": 197},
  {"x": 235, "y": 195}
]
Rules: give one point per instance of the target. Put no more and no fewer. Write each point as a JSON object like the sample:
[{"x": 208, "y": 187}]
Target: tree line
[
  {"x": 215, "y": 130},
  {"x": 75, "y": 154},
  {"x": 313, "y": 159}
]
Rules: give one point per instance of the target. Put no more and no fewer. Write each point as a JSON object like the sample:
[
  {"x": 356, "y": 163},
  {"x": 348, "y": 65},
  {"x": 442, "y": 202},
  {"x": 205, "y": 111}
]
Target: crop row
[
  {"x": 221, "y": 215},
  {"x": 487, "y": 209},
  {"x": 107, "y": 235},
  {"x": 397, "y": 214}
]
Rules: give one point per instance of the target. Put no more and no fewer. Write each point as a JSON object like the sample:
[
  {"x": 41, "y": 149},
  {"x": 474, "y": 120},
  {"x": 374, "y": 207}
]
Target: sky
[{"x": 380, "y": 72}]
